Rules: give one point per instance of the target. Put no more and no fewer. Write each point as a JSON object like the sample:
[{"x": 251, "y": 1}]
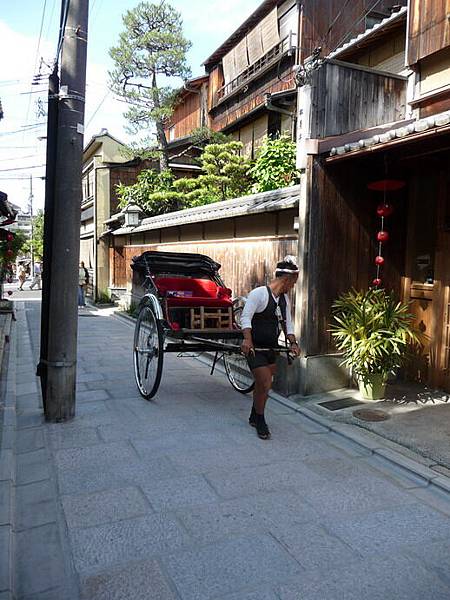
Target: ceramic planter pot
[{"x": 373, "y": 387}]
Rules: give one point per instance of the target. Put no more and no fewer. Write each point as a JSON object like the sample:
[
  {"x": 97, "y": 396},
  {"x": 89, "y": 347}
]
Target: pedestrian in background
[
  {"x": 22, "y": 275},
  {"x": 36, "y": 277},
  {"x": 83, "y": 280}
]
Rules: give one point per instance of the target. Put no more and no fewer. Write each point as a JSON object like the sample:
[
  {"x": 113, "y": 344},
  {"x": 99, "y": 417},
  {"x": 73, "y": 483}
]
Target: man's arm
[
  {"x": 290, "y": 329},
  {"x": 253, "y": 304}
]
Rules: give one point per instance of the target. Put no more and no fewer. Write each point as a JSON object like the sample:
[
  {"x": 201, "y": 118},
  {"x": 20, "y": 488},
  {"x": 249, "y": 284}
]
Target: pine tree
[{"x": 151, "y": 50}]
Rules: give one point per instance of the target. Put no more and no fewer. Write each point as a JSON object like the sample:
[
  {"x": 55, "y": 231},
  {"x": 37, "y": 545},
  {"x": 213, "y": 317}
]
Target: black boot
[
  {"x": 261, "y": 427},
  {"x": 252, "y": 417}
]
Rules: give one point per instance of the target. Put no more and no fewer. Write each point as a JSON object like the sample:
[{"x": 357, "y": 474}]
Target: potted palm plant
[{"x": 373, "y": 330}]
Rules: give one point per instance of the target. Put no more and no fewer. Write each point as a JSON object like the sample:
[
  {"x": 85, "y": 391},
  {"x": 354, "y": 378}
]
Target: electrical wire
[
  {"x": 98, "y": 107},
  {"x": 333, "y": 23},
  {"x": 62, "y": 28},
  {"x": 36, "y": 55},
  {"x": 22, "y": 168},
  {"x": 355, "y": 25}
]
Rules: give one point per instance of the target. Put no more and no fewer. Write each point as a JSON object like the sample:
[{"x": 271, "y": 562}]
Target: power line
[
  {"x": 335, "y": 20},
  {"x": 98, "y": 108},
  {"x": 355, "y": 25},
  {"x": 22, "y": 168},
  {"x": 36, "y": 55},
  {"x": 62, "y": 27}
]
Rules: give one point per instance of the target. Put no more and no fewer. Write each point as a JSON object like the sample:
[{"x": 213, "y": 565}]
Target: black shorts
[{"x": 261, "y": 359}]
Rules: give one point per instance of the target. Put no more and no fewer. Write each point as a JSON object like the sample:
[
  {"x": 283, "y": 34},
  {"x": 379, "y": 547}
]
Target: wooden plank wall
[
  {"x": 245, "y": 263},
  {"x": 342, "y": 247},
  {"x": 320, "y": 14},
  {"x": 118, "y": 267},
  {"x": 346, "y": 98},
  {"x": 428, "y": 28}
]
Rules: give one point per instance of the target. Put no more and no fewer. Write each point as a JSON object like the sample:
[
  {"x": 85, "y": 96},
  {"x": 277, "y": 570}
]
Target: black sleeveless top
[{"x": 266, "y": 326}]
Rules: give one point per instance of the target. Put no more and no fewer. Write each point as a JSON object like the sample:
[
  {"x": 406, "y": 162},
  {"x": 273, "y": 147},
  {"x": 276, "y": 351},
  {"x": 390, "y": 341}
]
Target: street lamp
[{"x": 132, "y": 214}]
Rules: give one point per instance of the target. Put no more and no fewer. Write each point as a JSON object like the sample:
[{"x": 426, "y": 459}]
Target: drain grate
[
  {"x": 369, "y": 414},
  {"x": 340, "y": 404}
]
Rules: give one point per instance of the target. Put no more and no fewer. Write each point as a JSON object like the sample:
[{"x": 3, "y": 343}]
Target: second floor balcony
[{"x": 286, "y": 47}]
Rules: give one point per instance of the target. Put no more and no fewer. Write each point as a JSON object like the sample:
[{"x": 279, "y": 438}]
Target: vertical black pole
[
  {"x": 63, "y": 312},
  {"x": 52, "y": 147}
]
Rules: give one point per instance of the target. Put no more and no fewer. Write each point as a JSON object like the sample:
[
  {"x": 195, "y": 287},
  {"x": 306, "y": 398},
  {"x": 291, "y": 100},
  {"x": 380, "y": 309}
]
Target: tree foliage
[
  {"x": 275, "y": 165},
  {"x": 151, "y": 51},
  {"x": 37, "y": 243},
  {"x": 225, "y": 174}
]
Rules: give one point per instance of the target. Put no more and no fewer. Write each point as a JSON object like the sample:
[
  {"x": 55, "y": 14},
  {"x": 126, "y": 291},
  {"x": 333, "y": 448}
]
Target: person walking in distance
[
  {"x": 22, "y": 275},
  {"x": 83, "y": 280},
  {"x": 266, "y": 314},
  {"x": 36, "y": 277}
]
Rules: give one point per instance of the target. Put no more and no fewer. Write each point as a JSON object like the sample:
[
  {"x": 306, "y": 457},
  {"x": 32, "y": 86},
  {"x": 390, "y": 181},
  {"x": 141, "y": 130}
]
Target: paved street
[{"x": 178, "y": 499}]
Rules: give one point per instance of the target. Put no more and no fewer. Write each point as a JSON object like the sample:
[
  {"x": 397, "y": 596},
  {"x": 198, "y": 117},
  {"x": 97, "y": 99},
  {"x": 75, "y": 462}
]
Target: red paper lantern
[
  {"x": 9, "y": 252},
  {"x": 377, "y": 282},
  {"x": 10, "y": 237},
  {"x": 384, "y": 210},
  {"x": 382, "y": 236},
  {"x": 379, "y": 260}
]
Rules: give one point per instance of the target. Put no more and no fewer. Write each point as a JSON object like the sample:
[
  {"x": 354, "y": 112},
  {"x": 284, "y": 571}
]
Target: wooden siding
[
  {"x": 118, "y": 271},
  {"x": 319, "y": 14},
  {"x": 186, "y": 115},
  {"x": 428, "y": 28},
  {"x": 240, "y": 105},
  {"x": 347, "y": 98},
  {"x": 245, "y": 263},
  {"x": 342, "y": 226}
]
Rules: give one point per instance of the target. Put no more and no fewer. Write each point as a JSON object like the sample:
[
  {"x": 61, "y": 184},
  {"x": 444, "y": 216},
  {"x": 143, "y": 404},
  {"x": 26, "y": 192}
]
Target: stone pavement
[{"x": 178, "y": 499}]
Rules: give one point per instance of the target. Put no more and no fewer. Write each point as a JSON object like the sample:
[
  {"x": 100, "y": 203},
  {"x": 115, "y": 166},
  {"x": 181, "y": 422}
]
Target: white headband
[{"x": 293, "y": 270}]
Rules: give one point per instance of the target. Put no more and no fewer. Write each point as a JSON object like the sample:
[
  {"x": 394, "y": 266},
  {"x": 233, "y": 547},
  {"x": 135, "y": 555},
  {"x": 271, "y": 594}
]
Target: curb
[
  {"x": 375, "y": 445},
  {"x": 7, "y": 474},
  {"x": 5, "y": 335}
]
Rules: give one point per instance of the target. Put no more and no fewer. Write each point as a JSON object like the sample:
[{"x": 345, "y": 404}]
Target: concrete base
[{"x": 310, "y": 375}]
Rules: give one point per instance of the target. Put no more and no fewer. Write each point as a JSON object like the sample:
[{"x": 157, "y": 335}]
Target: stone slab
[
  {"x": 99, "y": 455},
  {"x": 183, "y": 492},
  {"x": 32, "y": 466},
  {"x": 97, "y": 548},
  {"x": 35, "y": 504},
  {"x": 384, "y": 578},
  {"x": 123, "y": 474},
  {"x": 5, "y": 503},
  {"x": 388, "y": 530},
  {"x": 226, "y": 567},
  {"x": 6, "y": 563},
  {"x": 258, "y": 513},
  {"x": 39, "y": 560},
  {"x": 30, "y": 440},
  {"x": 140, "y": 581},
  {"x": 85, "y": 510}
]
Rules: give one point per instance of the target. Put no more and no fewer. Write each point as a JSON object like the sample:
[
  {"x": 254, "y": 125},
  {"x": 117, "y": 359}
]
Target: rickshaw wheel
[
  {"x": 148, "y": 352},
  {"x": 236, "y": 365}
]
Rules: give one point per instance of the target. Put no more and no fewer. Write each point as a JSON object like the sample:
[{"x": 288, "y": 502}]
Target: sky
[{"x": 29, "y": 33}]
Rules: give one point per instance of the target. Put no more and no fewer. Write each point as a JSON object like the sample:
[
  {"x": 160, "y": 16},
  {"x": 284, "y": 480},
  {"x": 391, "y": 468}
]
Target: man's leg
[{"x": 263, "y": 383}]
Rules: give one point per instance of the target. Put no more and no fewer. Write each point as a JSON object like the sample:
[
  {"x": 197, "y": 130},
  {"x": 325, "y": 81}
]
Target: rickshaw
[{"x": 186, "y": 309}]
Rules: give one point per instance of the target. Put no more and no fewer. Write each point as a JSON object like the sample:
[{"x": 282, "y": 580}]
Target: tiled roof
[
  {"x": 418, "y": 126},
  {"x": 237, "y": 207}
]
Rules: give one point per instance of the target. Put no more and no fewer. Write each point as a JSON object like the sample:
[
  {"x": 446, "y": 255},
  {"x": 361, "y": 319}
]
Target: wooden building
[
  {"x": 379, "y": 110},
  {"x": 250, "y": 89},
  {"x": 247, "y": 236}
]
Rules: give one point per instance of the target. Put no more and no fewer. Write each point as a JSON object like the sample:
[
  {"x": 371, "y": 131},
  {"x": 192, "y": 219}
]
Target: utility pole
[
  {"x": 62, "y": 326},
  {"x": 32, "y": 226}
]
